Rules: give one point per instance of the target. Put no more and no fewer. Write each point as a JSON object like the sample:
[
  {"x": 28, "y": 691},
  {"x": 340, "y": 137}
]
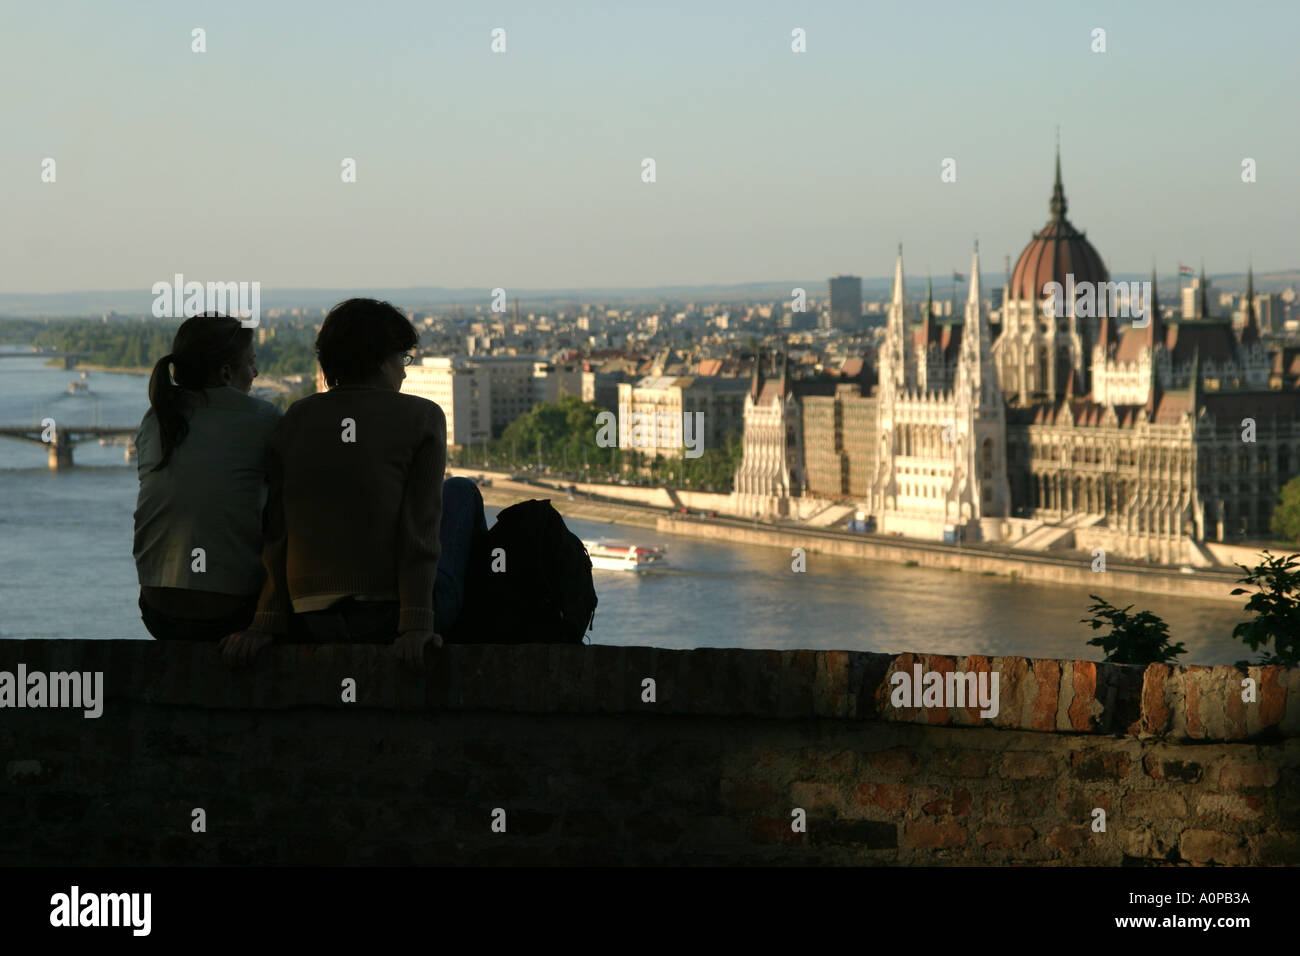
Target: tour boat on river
[{"x": 623, "y": 557}]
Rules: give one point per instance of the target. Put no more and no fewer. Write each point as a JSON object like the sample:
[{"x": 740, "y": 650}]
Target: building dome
[{"x": 1055, "y": 251}]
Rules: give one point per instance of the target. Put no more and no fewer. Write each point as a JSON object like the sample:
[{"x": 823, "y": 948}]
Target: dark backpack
[{"x": 545, "y": 594}]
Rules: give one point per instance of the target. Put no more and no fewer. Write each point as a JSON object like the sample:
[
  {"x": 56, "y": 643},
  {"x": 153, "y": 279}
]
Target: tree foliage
[
  {"x": 1140, "y": 638},
  {"x": 1276, "y": 608},
  {"x": 1285, "y": 522}
]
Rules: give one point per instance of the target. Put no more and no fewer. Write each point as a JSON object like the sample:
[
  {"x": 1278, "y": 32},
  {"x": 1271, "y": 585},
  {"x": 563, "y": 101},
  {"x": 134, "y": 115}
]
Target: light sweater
[
  {"x": 209, "y": 496},
  {"x": 359, "y": 516}
]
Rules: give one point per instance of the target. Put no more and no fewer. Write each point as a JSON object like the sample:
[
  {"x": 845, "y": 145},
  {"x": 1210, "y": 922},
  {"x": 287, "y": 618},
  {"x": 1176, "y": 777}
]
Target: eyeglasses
[{"x": 407, "y": 358}]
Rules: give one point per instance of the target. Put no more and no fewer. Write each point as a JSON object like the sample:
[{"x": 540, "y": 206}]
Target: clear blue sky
[{"x": 523, "y": 169}]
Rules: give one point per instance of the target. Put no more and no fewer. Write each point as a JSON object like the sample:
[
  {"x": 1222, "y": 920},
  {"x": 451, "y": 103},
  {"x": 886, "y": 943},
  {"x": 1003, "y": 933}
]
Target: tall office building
[{"x": 846, "y": 302}]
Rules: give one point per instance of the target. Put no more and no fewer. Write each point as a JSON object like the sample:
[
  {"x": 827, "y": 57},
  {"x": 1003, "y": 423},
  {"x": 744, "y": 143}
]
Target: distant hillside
[{"x": 140, "y": 302}]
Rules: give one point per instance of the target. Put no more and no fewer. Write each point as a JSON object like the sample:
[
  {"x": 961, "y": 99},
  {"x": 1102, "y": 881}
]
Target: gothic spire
[
  {"x": 1058, "y": 204},
  {"x": 976, "y": 362},
  {"x": 1250, "y": 331},
  {"x": 1196, "y": 379},
  {"x": 1205, "y": 298},
  {"x": 897, "y": 370},
  {"x": 926, "y": 319},
  {"x": 756, "y": 377},
  {"x": 1155, "y": 331},
  {"x": 899, "y": 294}
]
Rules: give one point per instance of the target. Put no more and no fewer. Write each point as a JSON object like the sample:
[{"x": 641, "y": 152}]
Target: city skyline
[{"x": 769, "y": 162}]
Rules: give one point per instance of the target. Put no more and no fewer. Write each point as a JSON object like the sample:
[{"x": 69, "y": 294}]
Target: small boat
[
  {"x": 623, "y": 557},
  {"x": 75, "y": 388}
]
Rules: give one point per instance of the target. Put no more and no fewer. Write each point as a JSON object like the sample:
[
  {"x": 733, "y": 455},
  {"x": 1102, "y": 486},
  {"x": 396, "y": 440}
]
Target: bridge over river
[
  {"x": 60, "y": 439},
  {"x": 69, "y": 358}
]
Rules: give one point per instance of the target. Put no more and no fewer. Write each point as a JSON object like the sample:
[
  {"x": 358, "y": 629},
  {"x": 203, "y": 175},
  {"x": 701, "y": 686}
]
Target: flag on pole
[
  {"x": 958, "y": 277},
  {"x": 1186, "y": 271}
]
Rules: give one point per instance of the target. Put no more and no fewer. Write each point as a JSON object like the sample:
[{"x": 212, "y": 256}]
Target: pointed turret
[
  {"x": 784, "y": 388},
  {"x": 1205, "y": 298},
  {"x": 976, "y": 343},
  {"x": 927, "y": 322},
  {"x": 897, "y": 369},
  {"x": 756, "y": 377},
  {"x": 1155, "y": 329},
  {"x": 1195, "y": 384},
  {"x": 1250, "y": 331},
  {"x": 899, "y": 296}
]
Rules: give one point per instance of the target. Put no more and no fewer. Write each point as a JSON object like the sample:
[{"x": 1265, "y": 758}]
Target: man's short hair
[{"x": 356, "y": 338}]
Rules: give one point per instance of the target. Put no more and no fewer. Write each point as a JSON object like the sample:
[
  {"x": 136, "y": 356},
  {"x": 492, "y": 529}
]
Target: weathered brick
[
  {"x": 887, "y": 796},
  {"x": 955, "y": 803},
  {"x": 1241, "y": 773},
  {"x": 1016, "y": 689},
  {"x": 1210, "y": 846},
  {"x": 1239, "y": 807},
  {"x": 1018, "y": 765},
  {"x": 943, "y": 666},
  {"x": 1161, "y": 804},
  {"x": 1173, "y": 771},
  {"x": 1091, "y": 765},
  {"x": 896, "y": 762},
  {"x": 1084, "y": 708},
  {"x": 903, "y": 664},
  {"x": 1077, "y": 806},
  {"x": 961, "y": 763},
  {"x": 1048, "y": 676},
  {"x": 1272, "y": 697},
  {"x": 1278, "y": 849},
  {"x": 1025, "y": 801},
  {"x": 970, "y": 714},
  {"x": 809, "y": 794},
  {"x": 1003, "y": 838},
  {"x": 1193, "y": 679},
  {"x": 1156, "y": 715},
  {"x": 935, "y": 835},
  {"x": 869, "y": 834},
  {"x": 831, "y": 685},
  {"x": 1069, "y": 839},
  {"x": 775, "y": 830}
]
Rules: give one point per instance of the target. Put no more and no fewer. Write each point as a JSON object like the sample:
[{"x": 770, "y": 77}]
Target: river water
[{"x": 66, "y": 569}]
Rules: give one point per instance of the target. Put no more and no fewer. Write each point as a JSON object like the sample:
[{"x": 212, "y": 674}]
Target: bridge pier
[{"x": 60, "y": 450}]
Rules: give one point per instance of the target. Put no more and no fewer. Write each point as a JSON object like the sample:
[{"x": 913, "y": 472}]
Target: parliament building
[{"x": 1058, "y": 428}]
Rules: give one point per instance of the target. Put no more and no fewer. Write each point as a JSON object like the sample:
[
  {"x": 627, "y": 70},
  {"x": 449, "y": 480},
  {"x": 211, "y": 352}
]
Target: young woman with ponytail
[{"x": 202, "y": 462}]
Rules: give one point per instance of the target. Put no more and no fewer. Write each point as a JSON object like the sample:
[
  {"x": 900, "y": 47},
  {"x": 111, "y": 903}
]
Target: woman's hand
[
  {"x": 410, "y": 646},
  {"x": 240, "y": 648}
]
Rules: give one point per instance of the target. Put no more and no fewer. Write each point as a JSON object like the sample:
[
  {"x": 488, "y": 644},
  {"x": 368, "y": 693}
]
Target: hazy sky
[{"x": 524, "y": 168}]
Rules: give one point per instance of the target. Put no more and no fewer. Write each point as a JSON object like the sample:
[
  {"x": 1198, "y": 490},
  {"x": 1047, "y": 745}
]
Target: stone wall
[{"x": 584, "y": 767}]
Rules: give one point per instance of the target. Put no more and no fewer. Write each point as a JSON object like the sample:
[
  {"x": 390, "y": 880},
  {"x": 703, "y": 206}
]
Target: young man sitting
[{"x": 363, "y": 540}]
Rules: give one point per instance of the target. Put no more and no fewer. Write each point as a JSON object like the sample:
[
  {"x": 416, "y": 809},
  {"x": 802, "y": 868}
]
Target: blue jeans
[{"x": 375, "y": 622}]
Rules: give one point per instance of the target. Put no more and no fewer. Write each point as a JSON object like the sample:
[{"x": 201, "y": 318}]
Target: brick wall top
[{"x": 1082, "y": 697}]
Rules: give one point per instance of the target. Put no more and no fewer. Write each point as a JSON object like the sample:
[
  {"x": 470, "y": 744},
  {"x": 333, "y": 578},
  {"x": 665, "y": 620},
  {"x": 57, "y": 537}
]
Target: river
[{"x": 66, "y": 568}]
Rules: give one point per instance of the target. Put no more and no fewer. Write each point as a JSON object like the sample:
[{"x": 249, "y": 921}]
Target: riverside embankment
[{"x": 1066, "y": 569}]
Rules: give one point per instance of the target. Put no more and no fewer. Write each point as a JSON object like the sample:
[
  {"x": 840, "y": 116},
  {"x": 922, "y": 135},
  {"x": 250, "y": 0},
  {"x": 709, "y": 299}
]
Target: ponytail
[
  {"x": 165, "y": 399},
  {"x": 203, "y": 344}
]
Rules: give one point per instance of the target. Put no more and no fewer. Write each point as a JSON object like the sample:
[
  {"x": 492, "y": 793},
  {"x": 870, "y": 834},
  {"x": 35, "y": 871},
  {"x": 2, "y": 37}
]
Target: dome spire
[{"x": 1058, "y": 204}]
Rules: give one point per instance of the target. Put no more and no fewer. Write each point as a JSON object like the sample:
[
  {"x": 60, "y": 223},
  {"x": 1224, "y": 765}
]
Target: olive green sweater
[{"x": 355, "y": 502}]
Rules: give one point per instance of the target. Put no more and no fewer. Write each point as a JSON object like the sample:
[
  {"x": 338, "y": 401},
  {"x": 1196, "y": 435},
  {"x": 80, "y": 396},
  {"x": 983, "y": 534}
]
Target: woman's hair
[
  {"x": 357, "y": 336},
  {"x": 203, "y": 344}
]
